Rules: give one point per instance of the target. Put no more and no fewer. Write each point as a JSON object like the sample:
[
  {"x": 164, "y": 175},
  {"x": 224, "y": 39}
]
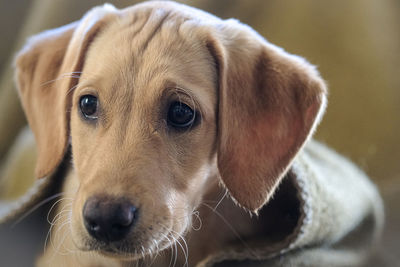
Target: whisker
[
  {"x": 197, "y": 214},
  {"x": 69, "y": 250},
  {"x": 232, "y": 229},
  {"x": 48, "y": 236},
  {"x": 62, "y": 76},
  {"x": 184, "y": 250},
  {"x": 176, "y": 253},
  {"x": 142, "y": 252},
  {"x": 57, "y": 225},
  {"x": 55, "y": 250},
  {"x": 71, "y": 89},
  {"x": 62, "y": 240},
  {"x": 156, "y": 254},
  {"x": 34, "y": 208},
  {"x": 53, "y": 206},
  {"x": 220, "y": 201},
  {"x": 60, "y": 216},
  {"x": 174, "y": 248},
  {"x": 61, "y": 212}
]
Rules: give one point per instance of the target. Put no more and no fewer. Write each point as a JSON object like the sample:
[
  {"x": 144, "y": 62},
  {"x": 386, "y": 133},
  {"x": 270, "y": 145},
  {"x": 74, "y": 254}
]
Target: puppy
[{"x": 167, "y": 110}]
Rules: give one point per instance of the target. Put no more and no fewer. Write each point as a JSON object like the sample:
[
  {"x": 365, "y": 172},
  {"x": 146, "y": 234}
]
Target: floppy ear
[
  {"x": 269, "y": 105},
  {"x": 47, "y": 71}
]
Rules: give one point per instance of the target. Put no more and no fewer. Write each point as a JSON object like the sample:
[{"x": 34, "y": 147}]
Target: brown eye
[
  {"x": 180, "y": 115},
  {"x": 88, "y": 105}
]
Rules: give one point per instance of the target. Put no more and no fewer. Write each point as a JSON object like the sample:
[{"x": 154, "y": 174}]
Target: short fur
[{"x": 258, "y": 106}]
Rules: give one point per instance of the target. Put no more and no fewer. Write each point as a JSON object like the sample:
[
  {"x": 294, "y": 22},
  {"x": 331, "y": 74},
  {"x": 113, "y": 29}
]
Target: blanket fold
[{"x": 338, "y": 221}]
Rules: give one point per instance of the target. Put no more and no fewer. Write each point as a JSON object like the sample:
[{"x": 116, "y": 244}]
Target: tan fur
[{"x": 258, "y": 106}]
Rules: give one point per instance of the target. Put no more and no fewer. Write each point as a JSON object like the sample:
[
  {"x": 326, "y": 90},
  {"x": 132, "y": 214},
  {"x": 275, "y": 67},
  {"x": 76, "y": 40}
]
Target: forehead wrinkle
[
  {"x": 153, "y": 25},
  {"x": 142, "y": 71},
  {"x": 161, "y": 33},
  {"x": 161, "y": 57},
  {"x": 135, "y": 27}
]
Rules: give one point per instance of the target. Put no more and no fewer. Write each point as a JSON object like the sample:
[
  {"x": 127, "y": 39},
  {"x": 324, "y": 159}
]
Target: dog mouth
[
  {"x": 120, "y": 250},
  {"x": 114, "y": 227},
  {"x": 134, "y": 247},
  {"x": 120, "y": 253}
]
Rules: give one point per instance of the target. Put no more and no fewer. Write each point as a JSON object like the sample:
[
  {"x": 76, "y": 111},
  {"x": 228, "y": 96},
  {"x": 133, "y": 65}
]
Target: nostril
[
  {"x": 127, "y": 215},
  {"x": 108, "y": 219},
  {"x": 93, "y": 226}
]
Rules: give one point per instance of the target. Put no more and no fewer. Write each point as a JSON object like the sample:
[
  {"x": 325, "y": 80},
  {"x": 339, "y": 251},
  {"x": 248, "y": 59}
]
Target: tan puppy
[{"x": 161, "y": 103}]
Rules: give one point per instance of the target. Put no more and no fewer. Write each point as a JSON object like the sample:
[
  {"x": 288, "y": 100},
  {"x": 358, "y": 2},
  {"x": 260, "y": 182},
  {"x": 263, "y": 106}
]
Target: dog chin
[
  {"x": 123, "y": 251},
  {"x": 120, "y": 252}
]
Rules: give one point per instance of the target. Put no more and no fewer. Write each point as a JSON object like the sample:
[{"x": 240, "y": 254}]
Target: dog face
[
  {"x": 161, "y": 102},
  {"x": 151, "y": 140}
]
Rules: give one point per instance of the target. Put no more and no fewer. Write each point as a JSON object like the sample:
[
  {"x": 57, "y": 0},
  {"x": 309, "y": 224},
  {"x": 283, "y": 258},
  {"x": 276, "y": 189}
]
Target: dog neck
[
  {"x": 221, "y": 228},
  {"x": 218, "y": 223}
]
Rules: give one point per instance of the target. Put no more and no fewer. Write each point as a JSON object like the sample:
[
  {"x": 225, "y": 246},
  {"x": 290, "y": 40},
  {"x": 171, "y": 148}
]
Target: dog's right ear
[{"x": 47, "y": 71}]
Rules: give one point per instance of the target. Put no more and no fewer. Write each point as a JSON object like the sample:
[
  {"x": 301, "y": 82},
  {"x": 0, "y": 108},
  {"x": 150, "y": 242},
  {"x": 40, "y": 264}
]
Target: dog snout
[{"x": 108, "y": 219}]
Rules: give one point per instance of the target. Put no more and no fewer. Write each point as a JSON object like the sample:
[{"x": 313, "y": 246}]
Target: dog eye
[
  {"x": 88, "y": 106},
  {"x": 180, "y": 115}
]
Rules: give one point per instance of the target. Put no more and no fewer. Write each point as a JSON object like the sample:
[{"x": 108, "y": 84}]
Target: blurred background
[{"x": 355, "y": 44}]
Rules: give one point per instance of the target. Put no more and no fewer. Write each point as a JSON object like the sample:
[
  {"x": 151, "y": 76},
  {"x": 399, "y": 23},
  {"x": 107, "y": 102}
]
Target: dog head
[{"x": 160, "y": 102}]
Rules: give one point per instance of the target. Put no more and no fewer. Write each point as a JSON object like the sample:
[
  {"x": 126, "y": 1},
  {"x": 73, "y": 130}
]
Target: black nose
[{"x": 108, "y": 219}]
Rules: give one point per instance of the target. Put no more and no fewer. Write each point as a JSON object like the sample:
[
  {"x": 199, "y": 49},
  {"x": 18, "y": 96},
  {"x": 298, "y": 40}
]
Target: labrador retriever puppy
[{"x": 165, "y": 108}]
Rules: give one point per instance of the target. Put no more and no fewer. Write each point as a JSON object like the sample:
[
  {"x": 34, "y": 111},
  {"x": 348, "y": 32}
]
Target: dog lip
[
  {"x": 110, "y": 249},
  {"x": 117, "y": 253}
]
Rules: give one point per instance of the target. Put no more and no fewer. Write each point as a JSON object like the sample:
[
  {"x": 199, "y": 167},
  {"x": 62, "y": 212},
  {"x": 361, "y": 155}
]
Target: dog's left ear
[
  {"x": 269, "y": 104},
  {"x": 47, "y": 71}
]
